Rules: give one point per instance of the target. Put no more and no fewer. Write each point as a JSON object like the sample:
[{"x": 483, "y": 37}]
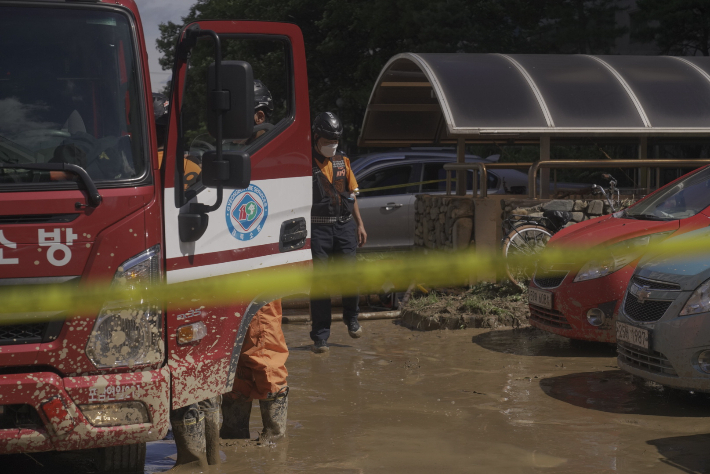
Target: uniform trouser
[
  {"x": 338, "y": 241},
  {"x": 261, "y": 371}
]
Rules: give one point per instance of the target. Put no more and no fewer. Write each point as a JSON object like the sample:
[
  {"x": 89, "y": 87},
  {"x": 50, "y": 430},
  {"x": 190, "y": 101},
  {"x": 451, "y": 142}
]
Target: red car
[{"x": 579, "y": 299}]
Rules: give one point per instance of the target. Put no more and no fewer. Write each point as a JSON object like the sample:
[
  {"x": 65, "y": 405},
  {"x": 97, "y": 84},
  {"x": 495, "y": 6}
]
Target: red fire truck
[{"x": 86, "y": 199}]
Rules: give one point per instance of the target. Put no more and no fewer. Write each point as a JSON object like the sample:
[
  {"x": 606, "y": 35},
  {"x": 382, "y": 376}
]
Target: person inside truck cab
[
  {"x": 192, "y": 164},
  {"x": 106, "y": 158},
  {"x": 263, "y": 111}
]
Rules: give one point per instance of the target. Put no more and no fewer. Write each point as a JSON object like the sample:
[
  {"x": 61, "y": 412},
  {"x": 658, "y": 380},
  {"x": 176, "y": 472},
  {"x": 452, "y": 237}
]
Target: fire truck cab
[{"x": 86, "y": 199}]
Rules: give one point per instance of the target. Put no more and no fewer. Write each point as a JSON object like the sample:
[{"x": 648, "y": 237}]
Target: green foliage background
[{"x": 349, "y": 41}]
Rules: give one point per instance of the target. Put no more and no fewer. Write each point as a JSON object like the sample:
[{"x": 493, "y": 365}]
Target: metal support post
[
  {"x": 461, "y": 174},
  {"x": 644, "y": 181},
  {"x": 545, "y": 172}
]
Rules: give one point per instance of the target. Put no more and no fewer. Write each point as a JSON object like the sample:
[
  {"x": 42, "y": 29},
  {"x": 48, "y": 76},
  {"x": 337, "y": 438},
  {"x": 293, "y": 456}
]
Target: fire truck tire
[{"x": 127, "y": 459}]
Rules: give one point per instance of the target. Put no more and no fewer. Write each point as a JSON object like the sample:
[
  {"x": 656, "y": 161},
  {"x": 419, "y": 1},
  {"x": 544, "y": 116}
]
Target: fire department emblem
[{"x": 246, "y": 213}]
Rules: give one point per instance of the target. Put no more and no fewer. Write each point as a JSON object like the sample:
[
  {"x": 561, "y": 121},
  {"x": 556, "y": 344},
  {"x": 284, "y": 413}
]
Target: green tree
[
  {"x": 679, "y": 27},
  {"x": 349, "y": 41},
  {"x": 582, "y": 26}
]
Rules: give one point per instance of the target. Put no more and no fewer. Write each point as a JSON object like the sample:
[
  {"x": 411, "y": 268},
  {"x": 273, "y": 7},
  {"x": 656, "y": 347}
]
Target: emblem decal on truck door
[{"x": 246, "y": 213}]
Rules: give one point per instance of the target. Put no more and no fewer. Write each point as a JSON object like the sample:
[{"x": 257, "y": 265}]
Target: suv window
[
  {"x": 384, "y": 177},
  {"x": 436, "y": 172},
  {"x": 270, "y": 60}
]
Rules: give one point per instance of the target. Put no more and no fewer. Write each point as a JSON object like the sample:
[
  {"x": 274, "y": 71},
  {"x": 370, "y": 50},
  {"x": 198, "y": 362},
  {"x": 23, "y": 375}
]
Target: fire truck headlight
[
  {"x": 699, "y": 301},
  {"x": 128, "y": 333}
]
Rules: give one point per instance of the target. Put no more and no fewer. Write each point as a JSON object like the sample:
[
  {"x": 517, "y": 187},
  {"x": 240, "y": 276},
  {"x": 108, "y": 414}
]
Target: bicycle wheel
[{"x": 523, "y": 241}]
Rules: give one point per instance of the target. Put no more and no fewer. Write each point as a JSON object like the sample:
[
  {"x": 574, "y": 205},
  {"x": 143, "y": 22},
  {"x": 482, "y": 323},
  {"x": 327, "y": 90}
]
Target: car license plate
[
  {"x": 633, "y": 335},
  {"x": 540, "y": 298}
]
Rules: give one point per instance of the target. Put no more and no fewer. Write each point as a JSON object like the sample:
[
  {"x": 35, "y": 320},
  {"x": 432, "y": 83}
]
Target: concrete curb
[{"x": 306, "y": 318}]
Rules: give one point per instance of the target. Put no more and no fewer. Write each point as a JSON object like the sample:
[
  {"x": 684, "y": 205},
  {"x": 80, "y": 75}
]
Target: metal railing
[
  {"x": 649, "y": 164},
  {"x": 481, "y": 170}
]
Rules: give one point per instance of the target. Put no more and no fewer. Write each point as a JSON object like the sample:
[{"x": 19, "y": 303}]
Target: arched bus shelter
[{"x": 459, "y": 99}]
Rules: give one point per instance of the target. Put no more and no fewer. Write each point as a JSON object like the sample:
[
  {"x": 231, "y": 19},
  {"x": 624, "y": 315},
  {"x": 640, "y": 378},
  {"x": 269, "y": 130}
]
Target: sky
[{"x": 154, "y": 12}]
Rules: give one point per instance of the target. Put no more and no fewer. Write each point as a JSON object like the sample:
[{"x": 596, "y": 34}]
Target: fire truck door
[{"x": 266, "y": 224}]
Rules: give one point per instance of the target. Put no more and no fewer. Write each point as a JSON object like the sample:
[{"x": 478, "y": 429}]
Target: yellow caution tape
[{"x": 34, "y": 304}]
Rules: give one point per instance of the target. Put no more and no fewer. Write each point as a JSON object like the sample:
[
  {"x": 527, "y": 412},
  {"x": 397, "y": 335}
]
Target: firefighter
[
  {"x": 261, "y": 371},
  {"x": 336, "y": 227}
]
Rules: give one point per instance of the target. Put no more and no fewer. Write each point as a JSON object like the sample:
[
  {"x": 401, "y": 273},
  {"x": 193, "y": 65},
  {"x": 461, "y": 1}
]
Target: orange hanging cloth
[{"x": 262, "y": 363}]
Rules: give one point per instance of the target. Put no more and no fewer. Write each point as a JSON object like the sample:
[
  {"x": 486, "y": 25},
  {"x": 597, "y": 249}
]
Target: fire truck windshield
[{"x": 69, "y": 93}]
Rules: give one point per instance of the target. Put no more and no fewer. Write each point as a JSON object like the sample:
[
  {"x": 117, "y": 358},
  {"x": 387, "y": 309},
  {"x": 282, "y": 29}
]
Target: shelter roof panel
[
  {"x": 579, "y": 91},
  {"x": 672, "y": 93},
  {"x": 434, "y": 98},
  {"x": 490, "y": 91},
  {"x": 701, "y": 63}
]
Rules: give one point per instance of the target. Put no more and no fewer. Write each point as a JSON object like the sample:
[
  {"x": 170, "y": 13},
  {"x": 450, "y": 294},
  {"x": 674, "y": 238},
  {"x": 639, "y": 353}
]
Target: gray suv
[
  {"x": 388, "y": 210},
  {"x": 663, "y": 326}
]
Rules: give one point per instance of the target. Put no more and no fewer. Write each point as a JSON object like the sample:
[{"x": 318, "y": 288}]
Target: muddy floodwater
[{"x": 505, "y": 401}]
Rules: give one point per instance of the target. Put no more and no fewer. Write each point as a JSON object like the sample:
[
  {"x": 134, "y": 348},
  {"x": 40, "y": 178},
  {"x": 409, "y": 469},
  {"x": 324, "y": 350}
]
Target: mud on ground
[
  {"x": 506, "y": 401},
  {"x": 485, "y": 305}
]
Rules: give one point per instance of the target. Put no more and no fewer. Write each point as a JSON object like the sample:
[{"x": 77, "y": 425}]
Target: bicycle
[
  {"x": 596, "y": 189},
  {"x": 526, "y": 236}
]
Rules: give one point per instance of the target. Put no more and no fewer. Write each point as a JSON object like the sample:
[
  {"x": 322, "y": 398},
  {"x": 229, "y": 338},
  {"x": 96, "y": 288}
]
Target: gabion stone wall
[
  {"x": 446, "y": 222},
  {"x": 443, "y": 222},
  {"x": 581, "y": 209}
]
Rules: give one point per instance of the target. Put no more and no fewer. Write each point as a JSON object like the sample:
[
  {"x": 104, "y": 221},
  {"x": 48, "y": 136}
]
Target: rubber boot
[
  {"x": 189, "y": 431},
  {"x": 273, "y": 415},
  {"x": 210, "y": 409},
  {"x": 235, "y": 416}
]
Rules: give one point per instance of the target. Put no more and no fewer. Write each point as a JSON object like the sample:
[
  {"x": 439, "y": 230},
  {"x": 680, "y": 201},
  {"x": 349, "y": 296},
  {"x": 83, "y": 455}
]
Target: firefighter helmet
[
  {"x": 262, "y": 98},
  {"x": 161, "y": 105},
  {"x": 328, "y": 126}
]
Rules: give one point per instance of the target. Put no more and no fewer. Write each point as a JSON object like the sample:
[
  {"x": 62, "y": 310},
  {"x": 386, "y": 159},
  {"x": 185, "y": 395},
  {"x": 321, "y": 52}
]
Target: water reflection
[
  {"x": 687, "y": 453},
  {"x": 534, "y": 342},
  {"x": 615, "y": 391}
]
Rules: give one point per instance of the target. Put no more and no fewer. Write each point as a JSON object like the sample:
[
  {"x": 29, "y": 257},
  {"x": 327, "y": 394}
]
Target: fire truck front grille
[
  {"x": 18, "y": 417},
  {"x": 647, "y": 311},
  {"x": 549, "y": 317},
  {"x": 21, "y": 333},
  {"x": 29, "y": 333},
  {"x": 650, "y": 362}
]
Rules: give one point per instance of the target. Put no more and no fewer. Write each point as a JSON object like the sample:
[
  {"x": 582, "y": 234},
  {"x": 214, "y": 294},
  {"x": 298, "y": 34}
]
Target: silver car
[
  {"x": 663, "y": 326},
  {"x": 388, "y": 213}
]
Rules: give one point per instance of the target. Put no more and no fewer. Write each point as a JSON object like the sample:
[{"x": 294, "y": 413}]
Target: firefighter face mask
[{"x": 327, "y": 149}]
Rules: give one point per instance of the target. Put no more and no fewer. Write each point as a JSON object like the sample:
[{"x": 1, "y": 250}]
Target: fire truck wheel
[{"x": 127, "y": 459}]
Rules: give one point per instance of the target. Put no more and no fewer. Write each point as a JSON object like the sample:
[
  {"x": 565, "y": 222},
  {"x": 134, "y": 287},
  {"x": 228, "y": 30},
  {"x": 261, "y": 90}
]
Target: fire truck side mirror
[
  {"x": 231, "y": 96},
  {"x": 232, "y": 171}
]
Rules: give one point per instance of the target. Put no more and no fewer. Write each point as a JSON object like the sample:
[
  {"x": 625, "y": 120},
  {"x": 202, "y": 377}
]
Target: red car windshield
[
  {"x": 69, "y": 93},
  {"x": 685, "y": 198}
]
